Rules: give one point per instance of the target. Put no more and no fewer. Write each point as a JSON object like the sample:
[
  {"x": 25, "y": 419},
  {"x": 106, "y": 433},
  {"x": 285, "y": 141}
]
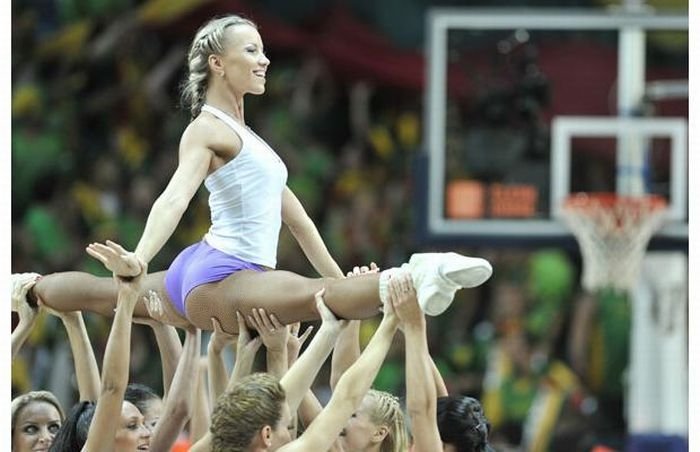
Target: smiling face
[
  {"x": 132, "y": 434},
  {"x": 243, "y": 64},
  {"x": 35, "y": 427}
]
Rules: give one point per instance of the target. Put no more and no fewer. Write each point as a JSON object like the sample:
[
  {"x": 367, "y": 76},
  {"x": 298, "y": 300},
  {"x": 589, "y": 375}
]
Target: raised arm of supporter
[
  {"x": 86, "y": 371},
  {"x": 178, "y": 405},
  {"x": 203, "y": 444},
  {"x": 201, "y": 411},
  {"x": 302, "y": 374},
  {"x": 274, "y": 337},
  {"x": 115, "y": 366},
  {"x": 216, "y": 372},
  {"x": 346, "y": 351},
  {"x": 421, "y": 394},
  {"x": 347, "y": 346},
  {"x": 309, "y": 407},
  {"x": 349, "y": 392},
  {"x": 440, "y": 386},
  {"x": 246, "y": 349},
  {"x": 27, "y": 314},
  {"x": 294, "y": 343},
  {"x": 308, "y": 410},
  {"x": 307, "y": 236},
  {"x": 168, "y": 342}
]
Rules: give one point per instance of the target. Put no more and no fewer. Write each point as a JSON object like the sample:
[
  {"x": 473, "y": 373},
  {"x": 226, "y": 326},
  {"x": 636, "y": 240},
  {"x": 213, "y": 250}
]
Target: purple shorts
[{"x": 200, "y": 264}]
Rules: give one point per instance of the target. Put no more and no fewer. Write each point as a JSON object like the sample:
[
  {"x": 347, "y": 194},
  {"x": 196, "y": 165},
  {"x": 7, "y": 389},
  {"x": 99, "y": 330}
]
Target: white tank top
[{"x": 245, "y": 199}]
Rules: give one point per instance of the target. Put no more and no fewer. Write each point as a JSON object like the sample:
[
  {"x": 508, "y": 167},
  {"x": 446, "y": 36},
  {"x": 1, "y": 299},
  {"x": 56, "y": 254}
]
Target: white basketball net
[{"x": 613, "y": 233}]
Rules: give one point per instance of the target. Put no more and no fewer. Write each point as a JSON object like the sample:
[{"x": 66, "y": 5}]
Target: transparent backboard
[{"x": 523, "y": 109}]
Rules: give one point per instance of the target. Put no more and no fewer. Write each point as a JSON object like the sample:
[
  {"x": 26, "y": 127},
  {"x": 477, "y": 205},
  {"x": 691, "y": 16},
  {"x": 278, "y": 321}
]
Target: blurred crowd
[{"x": 95, "y": 124}]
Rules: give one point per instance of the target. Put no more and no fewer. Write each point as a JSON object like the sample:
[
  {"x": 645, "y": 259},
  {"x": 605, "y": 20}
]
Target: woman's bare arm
[
  {"x": 246, "y": 349},
  {"x": 347, "y": 346},
  {"x": 203, "y": 445},
  {"x": 440, "y": 386},
  {"x": 301, "y": 375},
  {"x": 346, "y": 351},
  {"x": 169, "y": 347},
  {"x": 200, "y": 420},
  {"x": 307, "y": 236},
  {"x": 245, "y": 355},
  {"x": 86, "y": 370},
  {"x": 274, "y": 337},
  {"x": 294, "y": 343},
  {"x": 115, "y": 367},
  {"x": 178, "y": 405},
  {"x": 194, "y": 161},
  {"x": 421, "y": 394},
  {"x": 216, "y": 372},
  {"x": 348, "y": 394},
  {"x": 309, "y": 409}
]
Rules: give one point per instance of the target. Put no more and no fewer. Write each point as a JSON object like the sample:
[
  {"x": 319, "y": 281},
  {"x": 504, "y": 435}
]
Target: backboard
[{"x": 524, "y": 107}]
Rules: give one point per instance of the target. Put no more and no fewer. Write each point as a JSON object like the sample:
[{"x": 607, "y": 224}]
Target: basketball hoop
[{"x": 613, "y": 232}]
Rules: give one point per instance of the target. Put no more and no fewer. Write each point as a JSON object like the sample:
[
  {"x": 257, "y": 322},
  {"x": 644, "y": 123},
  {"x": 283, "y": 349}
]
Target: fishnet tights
[{"x": 289, "y": 296}]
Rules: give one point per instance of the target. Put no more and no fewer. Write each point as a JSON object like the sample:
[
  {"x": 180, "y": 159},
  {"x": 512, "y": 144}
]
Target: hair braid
[
  {"x": 462, "y": 423},
  {"x": 386, "y": 410}
]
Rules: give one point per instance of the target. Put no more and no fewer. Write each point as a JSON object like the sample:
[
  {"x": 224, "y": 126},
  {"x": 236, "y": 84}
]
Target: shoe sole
[
  {"x": 460, "y": 271},
  {"x": 469, "y": 272}
]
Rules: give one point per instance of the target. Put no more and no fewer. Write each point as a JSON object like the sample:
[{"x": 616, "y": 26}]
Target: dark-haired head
[
  {"x": 462, "y": 424},
  {"x": 137, "y": 393},
  {"x": 147, "y": 401},
  {"x": 74, "y": 431}
]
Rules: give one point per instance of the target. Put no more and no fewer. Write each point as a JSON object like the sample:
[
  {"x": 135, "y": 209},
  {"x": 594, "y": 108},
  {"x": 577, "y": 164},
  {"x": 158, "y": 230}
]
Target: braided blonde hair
[
  {"x": 386, "y": 410},
  {"x": 209, "y": 40}
]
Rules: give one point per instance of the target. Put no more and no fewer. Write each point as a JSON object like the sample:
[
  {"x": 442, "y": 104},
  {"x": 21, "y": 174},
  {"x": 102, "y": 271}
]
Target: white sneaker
[
  {"x": 18, "y": 280},
  {"x": 438, "y": 276}
]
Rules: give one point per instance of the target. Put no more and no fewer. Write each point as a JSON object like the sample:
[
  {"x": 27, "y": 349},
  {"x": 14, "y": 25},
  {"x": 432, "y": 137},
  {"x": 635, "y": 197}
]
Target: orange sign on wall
[
  {"x": 465, "y": 199},
  {"x": 473, "y": 199},
  {"x": 513, "y": 201}
]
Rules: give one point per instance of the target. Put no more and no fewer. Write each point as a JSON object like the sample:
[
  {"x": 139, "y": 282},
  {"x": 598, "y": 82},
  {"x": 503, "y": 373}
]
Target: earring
[{"x": 222, "y": 75}]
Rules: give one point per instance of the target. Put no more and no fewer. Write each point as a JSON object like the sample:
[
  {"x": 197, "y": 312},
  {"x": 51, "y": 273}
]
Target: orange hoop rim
[{"x": 589, "y": 200}]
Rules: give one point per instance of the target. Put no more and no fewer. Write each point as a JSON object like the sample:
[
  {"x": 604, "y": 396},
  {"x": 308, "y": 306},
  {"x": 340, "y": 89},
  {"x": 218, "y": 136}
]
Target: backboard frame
[{"x": 564, "y": 128}]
